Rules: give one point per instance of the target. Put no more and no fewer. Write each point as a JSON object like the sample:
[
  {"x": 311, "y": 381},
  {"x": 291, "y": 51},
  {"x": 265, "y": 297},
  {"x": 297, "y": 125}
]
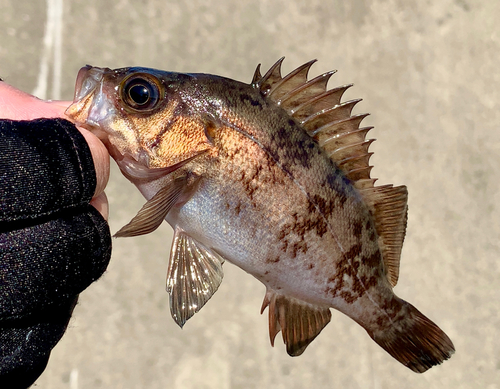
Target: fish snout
[
  {"x": 90, "y": 105},
  {"x": 87, "y": 80}
]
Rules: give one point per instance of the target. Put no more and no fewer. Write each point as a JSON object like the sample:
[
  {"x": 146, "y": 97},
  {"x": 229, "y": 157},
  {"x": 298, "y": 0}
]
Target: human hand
[
  {"x": 53, "y": 242},
  {"x": 18, "y": 105}
]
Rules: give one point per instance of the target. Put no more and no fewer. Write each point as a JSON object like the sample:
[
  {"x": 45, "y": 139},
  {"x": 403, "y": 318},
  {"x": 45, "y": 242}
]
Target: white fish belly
[{"x": 249, "y": 241}]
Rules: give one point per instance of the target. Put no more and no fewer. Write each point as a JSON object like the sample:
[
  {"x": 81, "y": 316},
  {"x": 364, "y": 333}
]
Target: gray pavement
[{"x": 429, "y": 74}]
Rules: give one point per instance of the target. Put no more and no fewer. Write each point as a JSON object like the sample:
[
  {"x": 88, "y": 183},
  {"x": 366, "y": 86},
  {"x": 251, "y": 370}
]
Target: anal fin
[
  {"x": 299, "y": 322},
  {"x": 194, "y": 275}
]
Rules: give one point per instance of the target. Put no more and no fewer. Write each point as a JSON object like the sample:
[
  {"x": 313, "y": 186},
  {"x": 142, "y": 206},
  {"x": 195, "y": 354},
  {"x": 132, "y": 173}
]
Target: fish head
[{"x": 141, "y": 115}]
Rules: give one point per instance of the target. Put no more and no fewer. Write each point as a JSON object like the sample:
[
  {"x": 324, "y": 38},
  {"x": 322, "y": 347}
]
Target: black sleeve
[{"x": 53, "y": 244}]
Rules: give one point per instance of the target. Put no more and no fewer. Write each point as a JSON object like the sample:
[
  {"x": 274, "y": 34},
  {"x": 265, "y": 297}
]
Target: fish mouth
[
  {"x": 86, "y": 81},
  {"x": 90, "y": 105}
]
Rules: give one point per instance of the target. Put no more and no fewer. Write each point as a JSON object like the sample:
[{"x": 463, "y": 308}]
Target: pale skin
[{"x": 18, "y": 105}]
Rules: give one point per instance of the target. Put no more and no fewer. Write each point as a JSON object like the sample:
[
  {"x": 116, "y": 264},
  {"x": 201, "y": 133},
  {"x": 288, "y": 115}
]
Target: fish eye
[{"x": 140, "y": 93}]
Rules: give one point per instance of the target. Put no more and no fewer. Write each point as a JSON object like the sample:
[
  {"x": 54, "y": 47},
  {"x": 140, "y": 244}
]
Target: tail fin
[{"x": 415, "y": 341}]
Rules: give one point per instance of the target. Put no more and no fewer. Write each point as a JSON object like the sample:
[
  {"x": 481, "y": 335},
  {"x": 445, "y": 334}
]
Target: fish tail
[{"x": 415, "y": 341}]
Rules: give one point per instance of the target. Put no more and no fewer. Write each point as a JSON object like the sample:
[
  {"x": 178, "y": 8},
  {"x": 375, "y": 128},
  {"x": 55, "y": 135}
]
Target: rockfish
[{"x": 274, "y": 177}]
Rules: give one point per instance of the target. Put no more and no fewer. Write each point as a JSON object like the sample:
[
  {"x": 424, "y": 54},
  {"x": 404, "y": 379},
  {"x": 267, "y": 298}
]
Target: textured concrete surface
[{"x": 428, "y": 73}]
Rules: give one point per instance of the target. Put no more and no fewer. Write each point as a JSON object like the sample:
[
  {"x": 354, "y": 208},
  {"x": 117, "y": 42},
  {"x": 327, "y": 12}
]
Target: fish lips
[
  {"x": 86, "y": 81},
  {"x": 91, "y": 106}
]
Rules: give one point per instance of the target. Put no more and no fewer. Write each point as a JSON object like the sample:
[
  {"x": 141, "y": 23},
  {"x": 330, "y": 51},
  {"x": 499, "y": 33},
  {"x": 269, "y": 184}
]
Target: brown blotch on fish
[
  {"x": 237, "y": 209},
  {"x": 247, "y": 99},
  {"x": 350, "y": 297},
  {"x": 274, "y": 259},
  {"x": 347, "y": 269},
  {"x": 373, "y": 260},
  {"x": 368, "y": 281},
  {"x": 357, "y": 228},
  {"x": 299, "y": 246},
  {"x": 326, "y": 206}
]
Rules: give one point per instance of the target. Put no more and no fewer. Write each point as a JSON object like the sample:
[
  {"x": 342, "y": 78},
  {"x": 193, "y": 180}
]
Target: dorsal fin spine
[
  {"x": 305, "y": 92},
  {"x": 354, "y": 120},
  {"x": 364, "y": 158},
  {"x": 322, "y": 79},
  {"x": 282, "y": 87},
  {"x": 365, "y": 183},
  {"x": 359, "y": 174},
  {"x": 342, "y": 139},
  {"x": 325, "y": 95},
  {"x": 256, "y": 77},
  {"x": 272, "y": 76},
  {"x": 362, "y": 145},
  {"x": 337, "y": 112},
  {"x": 346, "y": 104}
]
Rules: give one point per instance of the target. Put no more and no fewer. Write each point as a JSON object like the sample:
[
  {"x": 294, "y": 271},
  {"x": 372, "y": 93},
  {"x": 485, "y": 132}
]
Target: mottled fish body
[{"x": 272, "y": 176}]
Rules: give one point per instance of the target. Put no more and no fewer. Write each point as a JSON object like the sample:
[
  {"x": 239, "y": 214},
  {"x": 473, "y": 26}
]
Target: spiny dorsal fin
[
  {"x": 298, "y": 321},
  {"x": 321, "y": 114},
  {"x": 272, "y": 76},
  {"x": 293, "y": 80},
  {"x": 329, "y": 121}
]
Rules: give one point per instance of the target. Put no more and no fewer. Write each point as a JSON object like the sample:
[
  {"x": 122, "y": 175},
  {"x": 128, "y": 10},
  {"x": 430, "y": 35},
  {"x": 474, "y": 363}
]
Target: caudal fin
[{"x": 415, "y": 341}]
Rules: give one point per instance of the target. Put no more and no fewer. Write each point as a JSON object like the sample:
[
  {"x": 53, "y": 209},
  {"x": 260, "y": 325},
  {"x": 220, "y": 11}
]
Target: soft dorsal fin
[
  {"x": 329, "y": 121},
  {"x": 389, "y": 208}
]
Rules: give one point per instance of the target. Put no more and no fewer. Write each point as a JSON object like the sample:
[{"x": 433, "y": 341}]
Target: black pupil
[{"x": 140, "y": 94}]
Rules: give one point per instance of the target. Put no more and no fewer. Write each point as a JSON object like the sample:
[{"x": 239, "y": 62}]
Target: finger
[
  {"x": 101, "y": 160},
  {"x": 101, "y": 204},
  {"x": 18, "y": 105},
  {"x": 59, "y": 104}
]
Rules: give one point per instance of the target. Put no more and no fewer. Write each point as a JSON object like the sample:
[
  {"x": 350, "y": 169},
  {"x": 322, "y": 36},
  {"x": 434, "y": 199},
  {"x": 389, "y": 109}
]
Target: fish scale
[{"x": 274, "y": 177}]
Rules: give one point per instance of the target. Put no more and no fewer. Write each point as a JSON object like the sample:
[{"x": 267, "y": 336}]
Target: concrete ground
[{"x": 429, "y": 74}]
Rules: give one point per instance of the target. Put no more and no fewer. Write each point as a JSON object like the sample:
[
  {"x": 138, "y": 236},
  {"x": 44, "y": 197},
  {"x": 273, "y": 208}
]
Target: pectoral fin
[
  {"x": 194, "y": 275},
  {"x": 298, "y": 321},
  {"x": 155, "y": 210}
]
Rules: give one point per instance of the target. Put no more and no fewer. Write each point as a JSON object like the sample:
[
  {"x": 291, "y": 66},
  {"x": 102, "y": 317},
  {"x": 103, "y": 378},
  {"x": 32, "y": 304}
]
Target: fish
[{"x": 274, "y": 177}]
